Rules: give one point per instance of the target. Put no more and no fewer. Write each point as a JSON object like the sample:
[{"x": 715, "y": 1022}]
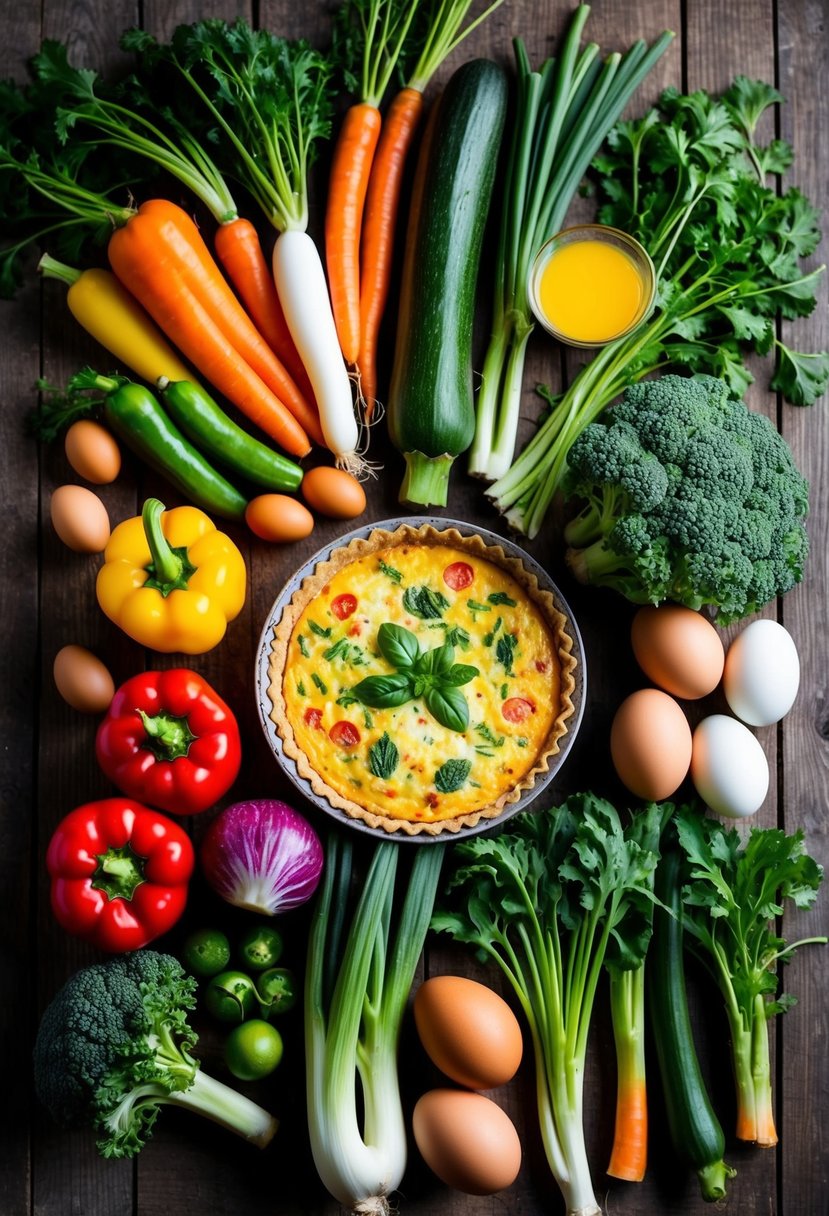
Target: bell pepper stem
[
  {"x": 168, "y": 737},
  {"x": 119, "y": 872},
  {"x": 166, "y": 563}
]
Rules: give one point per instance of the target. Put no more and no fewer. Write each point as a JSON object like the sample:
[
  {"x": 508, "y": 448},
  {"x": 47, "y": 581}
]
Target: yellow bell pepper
[{"x": 170, "y": 580}]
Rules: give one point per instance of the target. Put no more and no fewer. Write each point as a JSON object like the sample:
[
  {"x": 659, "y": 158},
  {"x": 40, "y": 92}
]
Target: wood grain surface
[{"x": 48, "y": 763}]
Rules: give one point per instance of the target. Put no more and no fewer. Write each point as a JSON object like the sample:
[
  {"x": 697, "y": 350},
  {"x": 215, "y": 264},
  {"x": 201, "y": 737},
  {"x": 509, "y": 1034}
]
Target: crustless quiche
[{"x": 421, "y": 679}]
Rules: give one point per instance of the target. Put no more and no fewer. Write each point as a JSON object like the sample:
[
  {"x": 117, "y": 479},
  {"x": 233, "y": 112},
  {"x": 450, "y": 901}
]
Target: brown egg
[
  {"x": 678, "y": 649},
  {"x": 82, "y": 680},
  {"x": 80, "y": 519},
  {"x": 333, "y": 492},
  {"x": 278, "y": 518},
  {"x": 468, "y": 1031},
  {"x": 92, "y": 452},
  {"x": 650, "y": 742},
  {"x": 469, "y": 1142}
]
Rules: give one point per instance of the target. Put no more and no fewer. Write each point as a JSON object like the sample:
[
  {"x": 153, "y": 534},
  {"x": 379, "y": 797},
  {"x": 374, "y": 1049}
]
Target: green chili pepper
[{"x": 213, "y": 432}]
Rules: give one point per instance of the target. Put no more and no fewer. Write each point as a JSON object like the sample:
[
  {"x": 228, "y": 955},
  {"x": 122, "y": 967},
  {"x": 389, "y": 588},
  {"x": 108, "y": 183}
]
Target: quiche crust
[{"x": 425, "y": 535}]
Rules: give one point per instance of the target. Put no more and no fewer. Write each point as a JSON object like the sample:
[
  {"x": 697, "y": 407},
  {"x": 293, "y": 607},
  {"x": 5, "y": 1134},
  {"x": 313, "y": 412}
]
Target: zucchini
[
  {"x": 694, "y": 1127},
  {"x": 431, "y": 411}
]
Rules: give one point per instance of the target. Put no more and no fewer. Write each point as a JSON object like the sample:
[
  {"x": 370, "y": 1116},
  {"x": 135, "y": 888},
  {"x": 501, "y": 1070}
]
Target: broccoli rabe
[
  {"x": 690, "y": 496},
  {"x": 114, "y": 1045}
]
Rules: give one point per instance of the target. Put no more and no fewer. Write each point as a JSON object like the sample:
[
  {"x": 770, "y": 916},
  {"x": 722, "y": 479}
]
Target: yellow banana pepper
[
  {"x": 170, "y": 580},
  {"x": 107, "y": 311}
]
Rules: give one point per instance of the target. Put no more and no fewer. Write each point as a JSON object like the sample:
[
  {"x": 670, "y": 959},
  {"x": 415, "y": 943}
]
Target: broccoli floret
[
  {"x": 114, "y": 1045},
  {"x": 690, "y": 496}
]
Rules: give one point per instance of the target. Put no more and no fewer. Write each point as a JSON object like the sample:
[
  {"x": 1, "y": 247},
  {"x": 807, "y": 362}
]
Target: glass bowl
[{"x": 603, "y": 234}]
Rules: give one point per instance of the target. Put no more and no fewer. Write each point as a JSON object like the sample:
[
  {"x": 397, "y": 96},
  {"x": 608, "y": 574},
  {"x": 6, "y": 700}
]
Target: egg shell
[
  {"x": 678, "y": 649},
  {"x": 729, "y": 767},
  {"x": 762, "y": 673},
  {"x": 92, "y": 452},
  {"x": 278, "y": 518},
  {"x": 468, "y": 1141},
  {"x": 333, "y": 492},
  {"x": 468, "y": 1031},
  {"x": 650, "y": 742},
  {"x": 80, "y": 519},
  {"x": 82, "y": 680}
]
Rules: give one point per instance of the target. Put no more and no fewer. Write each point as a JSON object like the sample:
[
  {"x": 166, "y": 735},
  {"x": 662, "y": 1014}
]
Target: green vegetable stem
[{"x": 550, "y": 900}]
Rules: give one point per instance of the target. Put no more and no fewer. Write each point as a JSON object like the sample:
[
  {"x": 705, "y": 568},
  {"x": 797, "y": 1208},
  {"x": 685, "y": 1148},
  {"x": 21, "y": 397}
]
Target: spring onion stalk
[
  {"x": 564, "y": 112},
  {"x": 355, "y": 994}
]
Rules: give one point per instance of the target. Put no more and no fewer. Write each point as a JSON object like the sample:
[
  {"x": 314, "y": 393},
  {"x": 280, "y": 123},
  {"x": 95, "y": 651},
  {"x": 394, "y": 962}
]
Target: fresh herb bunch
[
  {"x": 691, "y": 182},
  {"x": 551, "y": 900},
  {"x": 735, "y": 891},
  {"x": 430, "y": 674}
]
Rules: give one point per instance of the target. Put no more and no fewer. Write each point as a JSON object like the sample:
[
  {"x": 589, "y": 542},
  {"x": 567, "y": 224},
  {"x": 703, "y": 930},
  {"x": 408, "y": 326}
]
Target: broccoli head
[
  {"x": 114, "y": 1045},
  {"x": 688, "y": 496}
]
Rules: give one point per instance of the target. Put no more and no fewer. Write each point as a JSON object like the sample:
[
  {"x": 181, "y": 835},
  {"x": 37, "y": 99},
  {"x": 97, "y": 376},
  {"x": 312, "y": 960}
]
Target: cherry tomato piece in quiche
[
  {"x": 343, "y": 606},
  {"x": 517, "y": 709},
  {"x": 313, "y": 718},
  {"x": 458, "y": 576},
  {"x": 344, "y": 734}
]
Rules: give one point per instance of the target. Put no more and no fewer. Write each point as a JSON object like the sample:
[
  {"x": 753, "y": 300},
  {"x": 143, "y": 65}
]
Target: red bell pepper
[
  {"x": 171, "y": 741},
  {"x": 119, "y": 873}
]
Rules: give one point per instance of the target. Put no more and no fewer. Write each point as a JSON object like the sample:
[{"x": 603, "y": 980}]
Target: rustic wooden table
[{"x": 48, "y": 760}]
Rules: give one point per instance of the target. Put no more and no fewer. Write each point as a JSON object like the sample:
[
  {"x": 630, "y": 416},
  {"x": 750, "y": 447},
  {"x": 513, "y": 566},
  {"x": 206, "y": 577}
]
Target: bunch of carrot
[{"x": 369, "y": 159}]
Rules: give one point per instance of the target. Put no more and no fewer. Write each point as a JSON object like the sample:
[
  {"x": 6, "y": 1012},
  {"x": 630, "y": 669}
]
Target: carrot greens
[
  {"x": 734, "y": 891},
  {"x": 551, "y": 900}
]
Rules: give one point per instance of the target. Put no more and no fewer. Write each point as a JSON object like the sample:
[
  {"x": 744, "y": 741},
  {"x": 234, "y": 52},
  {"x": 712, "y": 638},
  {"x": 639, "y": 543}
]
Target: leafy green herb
[
  {"x": 319, "y": 683},
  {"x": 504, "y": 691},
  {"x": 390, "y": 572},
  {"x": 483, "y": 751},
  {"x": 425, "y": 603},
  {"x": 300, "y": 687},
  {"x": 398, "y": 646},
  {"x": 505, "y": 651},
  {"x": 549, "y": 900},
  {"x": 735, "y": 891},
  {"x": 318, "y": 630},
  {"x": 501, "y": 597},
  {"x": 457, "y": 636},
  {"x": 482, "y": 729},
  {"x": 368, "y": 721},
  {"x": 347, "y": 698},
  {"x": 303, "y": 645},
  {"x": 489, "y": 638},
  {"x": 383, "y": 757},
  {"x": 355, "y": 781},
  {"x": 452, "y": 775},
  {"x": 338, "y": 650},
  {"x": 474, "y": 606},
  {"x": 448, "y": 706},
  {"x": 385, "y": 692}
]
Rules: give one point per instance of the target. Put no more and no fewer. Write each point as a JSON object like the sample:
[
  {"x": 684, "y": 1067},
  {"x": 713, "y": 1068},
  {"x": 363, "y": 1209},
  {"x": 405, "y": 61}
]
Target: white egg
[
  {"x": 729, "y": 767},
  {"x": 762, "y": 673}
]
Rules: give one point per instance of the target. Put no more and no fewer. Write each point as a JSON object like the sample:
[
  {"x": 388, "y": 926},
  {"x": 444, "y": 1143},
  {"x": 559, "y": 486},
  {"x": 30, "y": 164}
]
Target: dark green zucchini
[
  {"x": 430, "y": 410},
  {"x": 694, "y": 1127}
]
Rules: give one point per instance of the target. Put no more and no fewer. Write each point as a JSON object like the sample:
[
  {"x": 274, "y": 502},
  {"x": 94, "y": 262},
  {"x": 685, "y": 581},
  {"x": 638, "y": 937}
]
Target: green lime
[
  {"x": 253, "y": 1050},
  {"x": 206, "y": 952},
  {"x": 230, "y": 996}
]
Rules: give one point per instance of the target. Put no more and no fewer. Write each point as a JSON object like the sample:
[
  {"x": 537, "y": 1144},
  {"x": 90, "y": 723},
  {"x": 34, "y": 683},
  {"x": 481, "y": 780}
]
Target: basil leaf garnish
[
  {"x": 452, "y": 775},
  {"x": 383, "y": 757},
  {"x": 501, "y": 597},
  {"x": 505, "y": 651},
  {"x": 460, "y": 673},
  {"x": 397, "y": 645},
  {"x": 384, "y": 692},
  {"x": 437, "y": 662},
  {"x": 448, "y": 706}
]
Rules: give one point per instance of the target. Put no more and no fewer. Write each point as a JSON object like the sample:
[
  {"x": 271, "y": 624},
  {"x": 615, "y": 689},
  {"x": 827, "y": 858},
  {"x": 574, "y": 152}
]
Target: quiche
[{"x": 421, "y": 679}]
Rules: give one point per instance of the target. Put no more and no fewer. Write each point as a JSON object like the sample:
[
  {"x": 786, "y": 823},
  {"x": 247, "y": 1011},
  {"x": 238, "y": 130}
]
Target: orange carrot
[
  {"x": 161, "y": 223},
  {"x": 630, "y": 1141},
  {"x": 382, "y": 201},
  {"x": 343, "y": 220},
  {"x": 629, "y": 1155},
  {"x": 150, "y": 265},
  {"x": 240, "y": 253}
]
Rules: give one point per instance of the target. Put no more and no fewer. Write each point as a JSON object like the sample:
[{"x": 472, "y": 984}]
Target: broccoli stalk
[{"x": 114, "y": 1046}]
